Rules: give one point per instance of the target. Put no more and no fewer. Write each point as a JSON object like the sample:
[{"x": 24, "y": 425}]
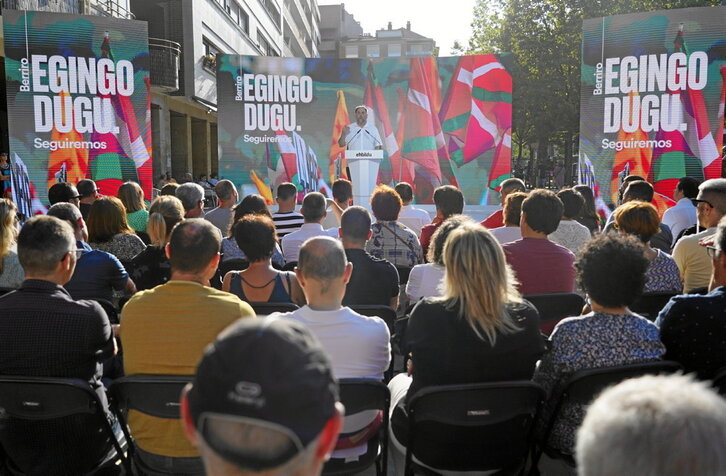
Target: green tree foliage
[{"x": 545, "y": 38}]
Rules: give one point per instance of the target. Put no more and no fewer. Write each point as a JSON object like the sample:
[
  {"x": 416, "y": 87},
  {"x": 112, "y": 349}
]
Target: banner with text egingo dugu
[
  {"x": 652, "y": 97},
  {"x": 437, "y": 120},
  {"x": 78, "y": 99}
]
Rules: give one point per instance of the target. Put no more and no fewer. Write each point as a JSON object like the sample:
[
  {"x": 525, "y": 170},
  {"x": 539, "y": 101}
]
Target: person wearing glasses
[
  {"x": 88, "y": 191},
  {"x": 97, "y": 273},
  {"x": 693, "y": 326},
  {"x": 165, "y": 330},
  {"x": 44, "y": 332},
  {"x": 692, "y": 259}
]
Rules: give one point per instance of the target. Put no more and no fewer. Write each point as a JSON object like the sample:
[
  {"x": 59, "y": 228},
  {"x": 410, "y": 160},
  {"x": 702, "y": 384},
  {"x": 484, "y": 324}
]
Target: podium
[{"x": 363, "y": 165}]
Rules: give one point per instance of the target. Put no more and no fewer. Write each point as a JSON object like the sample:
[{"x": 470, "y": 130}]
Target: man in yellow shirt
[
  {"x": 165, "y": 331},
  {"x": 692, "y": 258}
]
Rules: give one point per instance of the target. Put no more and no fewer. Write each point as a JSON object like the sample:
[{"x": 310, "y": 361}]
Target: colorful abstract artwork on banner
[
  {"x": 652, "y": 98},
  {"x": 78, "y": 99},
  {"x": 438, "y": 121}
]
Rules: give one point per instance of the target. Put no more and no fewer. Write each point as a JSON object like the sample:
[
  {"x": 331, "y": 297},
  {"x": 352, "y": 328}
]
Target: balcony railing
[
  {"x": 164, "y": 56},
  {"x": 108, "y": 8}
]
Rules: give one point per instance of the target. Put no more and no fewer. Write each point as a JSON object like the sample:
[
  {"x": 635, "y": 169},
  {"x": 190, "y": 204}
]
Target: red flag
[
  {"x": 699, "y": 134},
  {"x": 402, "y": 170},
  {"x": 337, "y": 153},
  {"x": 419, "y": 143},
  {"x": 478, "y": 107}
]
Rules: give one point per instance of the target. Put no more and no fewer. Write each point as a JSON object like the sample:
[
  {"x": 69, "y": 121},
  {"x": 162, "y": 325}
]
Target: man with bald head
[{"x": 358, "y": 346}]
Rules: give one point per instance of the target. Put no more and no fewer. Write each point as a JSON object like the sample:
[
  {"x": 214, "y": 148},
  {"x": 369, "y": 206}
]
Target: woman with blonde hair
[
  {"x": 151, "y": 268},
  {"x": 479, "y": 330},
  {"x": 132, "y": 196},
  {"x": 11, "y": 273},
  {"x": 641, "y": 220},
  {"x": 109, "y": 231}
]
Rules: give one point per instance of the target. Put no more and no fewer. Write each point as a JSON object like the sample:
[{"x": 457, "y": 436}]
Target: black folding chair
[
  {"x": 358, "y": 395},
  {"x": 110, "y": 308},
  {"x": 235, "y": 264},
  {"x": 472, "y": 427},
  {"x": 403, "y": 274},
  {"x": 584, "y": 386},
  {"x": 649, "y": 305},
  {"x": 289, "y": 266},
  {"x": 39, "y": 398},
  {"x": 552, "y": 308},
  {"x": 388, "y": 314},
  {"x": 265, "y": 308},
  {"x": 155, "y": 395}
]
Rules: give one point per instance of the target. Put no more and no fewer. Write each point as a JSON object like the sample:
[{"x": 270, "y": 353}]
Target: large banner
[
  {"x": 78, "y": 99},
  {"x": 438, "y": 121},
  {"x": 652, "y": 97}
]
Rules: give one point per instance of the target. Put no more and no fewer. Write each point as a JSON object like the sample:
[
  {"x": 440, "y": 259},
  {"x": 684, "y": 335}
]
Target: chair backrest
[
  {"x": 474, "y": 426},
  {"x": 110, "y": 308},
  {"x": 358, "y": 394},
  {"x": 554, "y": 307},
  {"x": 236, "y": 264},
  {"x": 265, "y": 308},
  {"x": 387, "y": 313},
  {"x": 289, "y": 266},
  {"x": 36, "y": 398},
  {"x": 583, "y": 386},
  {"x": 40, "y": 398},
  {"x": 155, "y": 395},
  {"x": 403, "y": 273},
  {"x": 650, "y": 305}
]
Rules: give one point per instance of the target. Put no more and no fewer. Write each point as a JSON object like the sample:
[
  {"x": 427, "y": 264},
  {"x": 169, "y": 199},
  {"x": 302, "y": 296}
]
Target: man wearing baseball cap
[{"x": 263, "y": 400}]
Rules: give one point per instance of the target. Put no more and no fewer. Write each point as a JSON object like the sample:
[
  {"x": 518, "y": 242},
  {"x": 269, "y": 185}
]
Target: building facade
[
  {"x": 343, "y": 37},
  {"x": 191, "y": 33},
  {"x": 184, "y": 38}
]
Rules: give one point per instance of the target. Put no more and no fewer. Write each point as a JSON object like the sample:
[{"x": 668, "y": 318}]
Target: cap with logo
[{"x": 270, "y": 374}]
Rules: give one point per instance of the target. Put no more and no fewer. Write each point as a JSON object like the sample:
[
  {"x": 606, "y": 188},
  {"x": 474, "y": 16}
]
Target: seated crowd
[{"x": 165, "y": 289}]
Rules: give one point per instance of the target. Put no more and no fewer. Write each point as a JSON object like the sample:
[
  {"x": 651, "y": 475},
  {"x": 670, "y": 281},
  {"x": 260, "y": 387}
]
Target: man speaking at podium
[{"x": 360, "y": 135}]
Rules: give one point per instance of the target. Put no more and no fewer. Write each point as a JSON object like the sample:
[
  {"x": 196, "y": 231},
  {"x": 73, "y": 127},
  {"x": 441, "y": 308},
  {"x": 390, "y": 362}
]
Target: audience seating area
[{"x": 485, "y": 426}]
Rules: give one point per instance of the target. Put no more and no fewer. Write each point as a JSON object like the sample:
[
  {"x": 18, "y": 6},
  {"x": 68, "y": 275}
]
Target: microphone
[
  {"x": 351, "y": 139},
  {"x": 373, "y": 137}
]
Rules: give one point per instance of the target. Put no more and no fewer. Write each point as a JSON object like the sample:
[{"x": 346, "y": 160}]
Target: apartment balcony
[
  {"x": 106, "y": 8},
  {"x": 164, "y": 65}
]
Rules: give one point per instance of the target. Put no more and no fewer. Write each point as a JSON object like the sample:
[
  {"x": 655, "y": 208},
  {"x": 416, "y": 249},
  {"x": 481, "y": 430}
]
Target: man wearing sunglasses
[
  {"x": 692, "y": 258},
  {"x": 45, "y": 333},
  {"x": 693, "y": 326}
]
